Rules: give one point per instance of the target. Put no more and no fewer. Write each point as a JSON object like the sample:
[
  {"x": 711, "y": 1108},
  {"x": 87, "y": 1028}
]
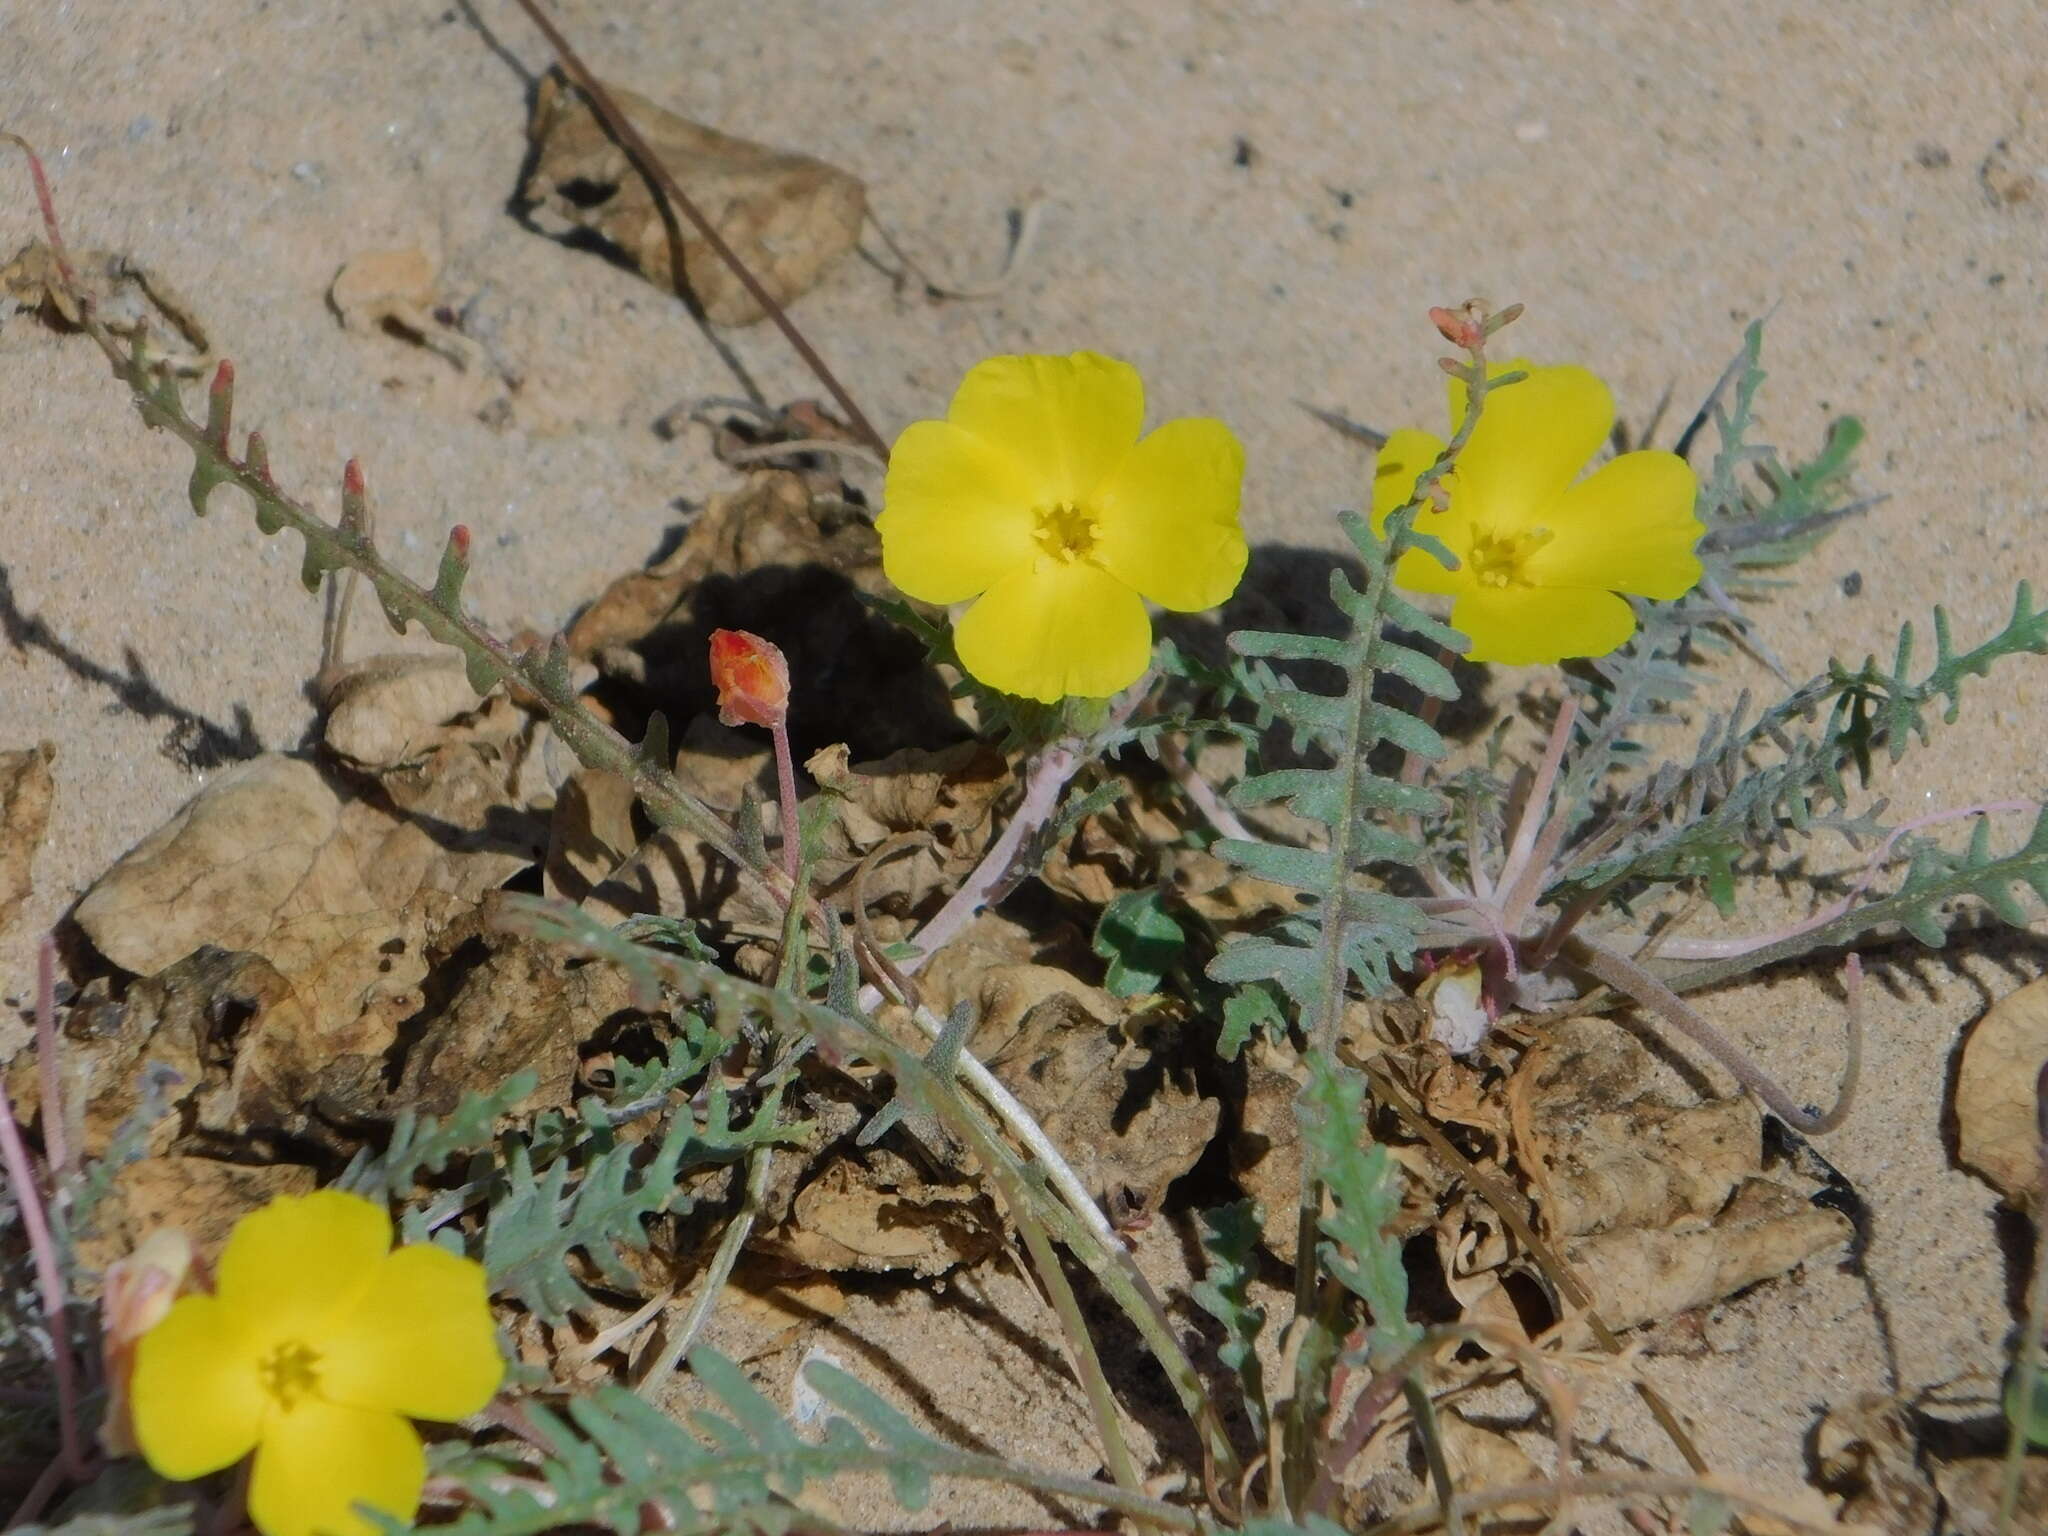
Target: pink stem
[
  {"x": 21, "y": 1174},
  {"x": 785, "y": 780},
  {"x": 1521, "y": 875}
]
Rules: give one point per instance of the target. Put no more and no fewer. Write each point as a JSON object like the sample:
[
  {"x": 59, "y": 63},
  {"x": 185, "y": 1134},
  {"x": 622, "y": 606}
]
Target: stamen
[
  {"x": 1497, "y": 558},
  {"x": 288, "y": 1373},
  {"x": 1065, "y": 532}
]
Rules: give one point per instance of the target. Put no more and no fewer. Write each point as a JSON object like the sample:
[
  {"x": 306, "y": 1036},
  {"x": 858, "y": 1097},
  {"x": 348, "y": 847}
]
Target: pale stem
[
  {"x": 1625, "y": 976},
  {"x": 1731, "y": 949},
  {"x": 1521, "y": 875},
  {"x": 717, "y": 1273},
  {"x": 43, "y": 1250},
  {"x": 1202, "y": 794}
]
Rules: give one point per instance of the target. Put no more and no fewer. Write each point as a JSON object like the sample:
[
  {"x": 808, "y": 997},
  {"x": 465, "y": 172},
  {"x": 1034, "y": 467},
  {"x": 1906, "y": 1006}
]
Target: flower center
[
  {"x": 1496, "y": 559},
  {"x": 1065, "y": 532},
  {"x": 287, "y": 1373}
]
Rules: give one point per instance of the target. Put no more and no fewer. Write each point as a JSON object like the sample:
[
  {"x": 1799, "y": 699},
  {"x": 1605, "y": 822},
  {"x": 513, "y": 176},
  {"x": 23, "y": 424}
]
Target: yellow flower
[
  {"x": 315, "y": 1349},
  {"x": 1542, "y": 559},
  {"x": 1037, "y": 498}
]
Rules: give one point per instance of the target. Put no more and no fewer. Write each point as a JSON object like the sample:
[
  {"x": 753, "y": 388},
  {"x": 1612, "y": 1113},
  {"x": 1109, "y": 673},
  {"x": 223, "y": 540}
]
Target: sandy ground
[{"x": 1255, "y": 202}]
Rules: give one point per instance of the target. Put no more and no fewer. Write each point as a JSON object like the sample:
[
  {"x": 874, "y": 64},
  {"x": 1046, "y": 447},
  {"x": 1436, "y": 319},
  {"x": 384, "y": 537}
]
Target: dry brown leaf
[
  {"x": 1129, "y": 1126},
  {"x": 1997, "y": 1114},
  {"x": 1265, "y": 1152},
  {"x": 1974, "y": 1489},
  {"x": 948, "y": 795},
  {"x": 1602, "y": 1152},
  {"x": 396, "y": 291},
  {"x": 1868, "y": 1454},
  {"x": 1480, "y": 1459},
  {"x": 771, "y": 520},
  {"x": 875, "y": 1212},
  {"x": 590, "y": 834},
  {"x": 787, "y": 216},
  {"x": 27, "y": 788},
  {"x": 392, "y": 709},
  {"x": 1639, "y": 1275},
  {"x": 124, "y": 294},
  {"x": 250, "y": 848},
  {"x": 329, "y": 900},
  {"x": 526, "y": 1006}
]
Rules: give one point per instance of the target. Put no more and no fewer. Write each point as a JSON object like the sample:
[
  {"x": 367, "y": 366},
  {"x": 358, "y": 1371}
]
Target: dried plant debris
[
  {"x": 27, "y": 789},
  {"x": 787, "y": 216},
  {"x": 876, "y": 1211},
  {"x": 397, "y": 292},
  {"x": 1996, "y": 1125},
  {"x": 1867, "y": 1452},
  {"x": 1659, "y": 1207},
  {"x": 944, "y": 802},
  {"x": 131, "y": 301}
]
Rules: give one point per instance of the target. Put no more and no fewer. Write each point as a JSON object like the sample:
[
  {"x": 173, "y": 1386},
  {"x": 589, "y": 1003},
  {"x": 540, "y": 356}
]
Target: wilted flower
[
  {"x": 135, "y": 1295},
  {"x": 752, "y": 679},
  {"x": 318, "y": 1345},
  {"x": 1037, "y": 499},
  {"x": 1542, "y": 559}
]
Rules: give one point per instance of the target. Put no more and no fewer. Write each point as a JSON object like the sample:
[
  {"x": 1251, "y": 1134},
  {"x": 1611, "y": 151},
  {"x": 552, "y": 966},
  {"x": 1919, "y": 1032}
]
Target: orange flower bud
[{"x": 752, "y": 679}]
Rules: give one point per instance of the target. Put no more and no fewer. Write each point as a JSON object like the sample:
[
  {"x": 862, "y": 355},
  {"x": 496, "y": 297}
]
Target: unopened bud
[
  {"x": 1457, "y": 327},
  {"x": 752, "y": 678}
]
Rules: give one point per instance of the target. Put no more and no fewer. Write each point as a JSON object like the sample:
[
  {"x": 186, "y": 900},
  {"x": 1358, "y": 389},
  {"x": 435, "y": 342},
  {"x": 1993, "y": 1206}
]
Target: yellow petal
[
  {"x": 196, "y": 1395},
  {"x": 1056, "y": 629},
  {"x": 1533, "y": 438},
  {"x": 1067, "y": 422},
  {"x": 1402, "y": 459},
  {"x": 957, "y": 512},
  {"x": 1526, "y": 626},
  {"x": 321, "y": 1459},
  {"x": 289, "y": 1266},
  {"x": 1420, "y": 571},
  {"x": 1166, "y": 519},
  {"x": 418, "y": 1341},
  {"x": 1628, "y": 527}
]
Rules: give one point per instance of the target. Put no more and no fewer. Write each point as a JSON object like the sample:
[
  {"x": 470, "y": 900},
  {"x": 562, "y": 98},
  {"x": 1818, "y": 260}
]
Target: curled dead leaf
[
  {"x": 395, "y": 291},
  {"x": 392, "y": 709},
  {"x": 787, "y": 216},
  {"x": 1602, "y": 1150},
  {"x": 1641, "y": 1274},
  {"x": 126, "y": 297},
  {"x": 1868, "y": 1454},
  {"x": 1997, "y": 1113},
  {"x": 877, "y": 1213}
]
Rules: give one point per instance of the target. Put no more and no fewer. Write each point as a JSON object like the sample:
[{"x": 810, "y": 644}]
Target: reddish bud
[
  {"x": 458, "y": 541},
  {"x": 352, "y": 479},
  {"x": 220, "y": 404},
  {"x": 752, "y": 679},
  {"x": 1459, "y": 329}
]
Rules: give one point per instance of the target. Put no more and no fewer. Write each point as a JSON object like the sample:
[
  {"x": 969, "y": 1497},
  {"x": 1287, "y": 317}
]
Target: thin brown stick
[{"x": 621, "y": 128}]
